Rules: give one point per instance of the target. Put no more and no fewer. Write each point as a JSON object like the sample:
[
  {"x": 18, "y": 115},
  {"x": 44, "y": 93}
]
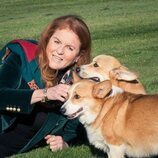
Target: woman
[{"x": 30, "y": 107}]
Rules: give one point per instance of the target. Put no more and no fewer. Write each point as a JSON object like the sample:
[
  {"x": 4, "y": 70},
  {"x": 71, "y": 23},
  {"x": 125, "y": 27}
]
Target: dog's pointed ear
[
  {"x": 100, "y": 90},
  {"x": 123, "y": 73},
  {"x": 75, "y": 77}
]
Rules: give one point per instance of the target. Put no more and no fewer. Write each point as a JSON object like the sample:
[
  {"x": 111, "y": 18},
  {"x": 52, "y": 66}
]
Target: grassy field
[{"x": 126, "y": 29}]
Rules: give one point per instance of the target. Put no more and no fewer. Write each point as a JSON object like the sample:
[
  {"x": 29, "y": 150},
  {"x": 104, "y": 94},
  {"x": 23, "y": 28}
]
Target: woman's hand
[
  {"x": 56, "y": 142},
  {"x": 58, "y": 92}
]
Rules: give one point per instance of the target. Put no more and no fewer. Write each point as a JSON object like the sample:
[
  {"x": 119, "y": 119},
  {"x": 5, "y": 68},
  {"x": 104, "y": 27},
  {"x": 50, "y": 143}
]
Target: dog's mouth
[
  {"x": 96, "y": 79},
  {"x": 74, "y": 115}
]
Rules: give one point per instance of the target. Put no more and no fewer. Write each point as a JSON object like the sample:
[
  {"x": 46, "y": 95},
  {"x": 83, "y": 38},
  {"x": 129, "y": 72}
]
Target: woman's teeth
[{"x": 57, "y": 58}]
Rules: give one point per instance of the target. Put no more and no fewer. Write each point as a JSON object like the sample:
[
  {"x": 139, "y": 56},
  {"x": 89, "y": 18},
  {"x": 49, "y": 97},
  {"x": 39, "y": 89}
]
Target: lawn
[{"x": 126, "y": 29}]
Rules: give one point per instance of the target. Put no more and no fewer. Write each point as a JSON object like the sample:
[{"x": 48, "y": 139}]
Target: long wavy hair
[{"x": 78, "y": 26}]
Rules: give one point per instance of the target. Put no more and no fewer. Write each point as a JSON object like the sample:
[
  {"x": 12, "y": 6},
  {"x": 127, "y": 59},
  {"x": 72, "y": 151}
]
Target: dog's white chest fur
[{"x": 95, "y": 138}]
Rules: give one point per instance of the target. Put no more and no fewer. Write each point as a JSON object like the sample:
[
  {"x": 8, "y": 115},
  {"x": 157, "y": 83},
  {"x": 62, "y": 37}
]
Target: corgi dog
[
  {"x": 105, "y": 67},
  {"x": 118, "y": 122}
]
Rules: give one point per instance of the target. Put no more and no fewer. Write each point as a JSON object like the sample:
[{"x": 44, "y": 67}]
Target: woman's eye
[
  {"x": 70, "y": 48},
  {"x": 57, "y": 42},
  {"x": 76, "y": 96},
  {"x": 95, "y": 65}
]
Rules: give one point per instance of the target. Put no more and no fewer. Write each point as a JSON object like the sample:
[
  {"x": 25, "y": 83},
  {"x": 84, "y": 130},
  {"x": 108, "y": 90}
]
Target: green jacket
[{"x": 16, "y": 72}]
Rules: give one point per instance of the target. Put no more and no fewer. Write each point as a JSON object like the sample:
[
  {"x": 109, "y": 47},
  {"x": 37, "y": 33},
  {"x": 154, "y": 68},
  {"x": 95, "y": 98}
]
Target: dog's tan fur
[
  {"x": 108, "y": 67},
  {"x": 116, "y": 121}
]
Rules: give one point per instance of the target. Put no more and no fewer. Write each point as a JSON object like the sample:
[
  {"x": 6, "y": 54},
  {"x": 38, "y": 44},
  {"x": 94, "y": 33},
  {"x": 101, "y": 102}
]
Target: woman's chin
[{"x": 57, "y": 67}]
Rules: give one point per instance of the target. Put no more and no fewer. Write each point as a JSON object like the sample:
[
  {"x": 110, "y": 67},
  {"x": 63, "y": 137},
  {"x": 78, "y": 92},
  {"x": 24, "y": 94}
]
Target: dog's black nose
[
  {"x": 77, "y": 69},
  {"x": 63, "y": 110}
]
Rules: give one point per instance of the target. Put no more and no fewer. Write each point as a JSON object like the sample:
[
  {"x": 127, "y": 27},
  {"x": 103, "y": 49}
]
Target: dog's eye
[
  {"x": 95, "y": 65},
  {"x": 76, "y": 96}
]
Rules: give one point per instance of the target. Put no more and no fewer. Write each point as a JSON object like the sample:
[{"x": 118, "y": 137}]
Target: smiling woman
[
  {"x": 63, "y": 49},
  {"x": 64, "y": 44}
]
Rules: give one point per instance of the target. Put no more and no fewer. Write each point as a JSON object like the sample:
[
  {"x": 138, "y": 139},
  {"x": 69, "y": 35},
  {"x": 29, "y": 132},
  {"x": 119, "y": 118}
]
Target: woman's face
[{"x": 63, "y": 49}]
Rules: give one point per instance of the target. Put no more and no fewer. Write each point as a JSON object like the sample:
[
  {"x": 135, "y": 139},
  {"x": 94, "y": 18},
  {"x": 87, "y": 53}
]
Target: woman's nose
[{"x": 60, "y": 50}]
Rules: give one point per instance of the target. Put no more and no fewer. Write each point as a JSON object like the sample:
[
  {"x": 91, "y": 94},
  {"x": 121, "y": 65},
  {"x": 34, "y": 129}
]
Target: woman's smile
[{"x": 56, "y": 58}]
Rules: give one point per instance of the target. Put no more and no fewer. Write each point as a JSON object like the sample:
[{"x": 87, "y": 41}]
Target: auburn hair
[{"x": 78, "y": 26}]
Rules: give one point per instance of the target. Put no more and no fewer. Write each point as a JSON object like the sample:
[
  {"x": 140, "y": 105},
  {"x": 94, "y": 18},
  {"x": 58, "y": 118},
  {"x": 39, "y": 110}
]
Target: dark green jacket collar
[
  {"x": 36, "y": 74},
  {"x": 30, "y": 70}
]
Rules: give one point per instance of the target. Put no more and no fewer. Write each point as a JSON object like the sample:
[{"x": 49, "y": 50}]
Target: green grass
[
  {"x": 82, "y": 151},
  {"x": 126, "y": 29}
]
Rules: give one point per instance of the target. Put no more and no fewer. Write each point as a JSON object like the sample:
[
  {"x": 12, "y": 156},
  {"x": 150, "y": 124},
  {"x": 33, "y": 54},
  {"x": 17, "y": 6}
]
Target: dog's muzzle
[
  {"x": 70, "y": 116},
  {"x": 74, "y": 115},
  {"x": 96, "y": 79}
]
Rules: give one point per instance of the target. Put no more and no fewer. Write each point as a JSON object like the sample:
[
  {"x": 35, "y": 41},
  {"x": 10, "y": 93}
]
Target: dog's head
[
  {"x": 85, "y": 100},
  {"x": 103, "y": 67}
]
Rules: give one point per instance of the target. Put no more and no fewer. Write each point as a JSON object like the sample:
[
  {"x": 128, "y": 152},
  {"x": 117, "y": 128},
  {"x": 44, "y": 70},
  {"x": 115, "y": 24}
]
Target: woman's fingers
[
  {"x": 63, "y": 89},
  {"x": 55, "y": 142},
  {"x": 48, "y": 136},
  {"x": 58, "y": 92}
]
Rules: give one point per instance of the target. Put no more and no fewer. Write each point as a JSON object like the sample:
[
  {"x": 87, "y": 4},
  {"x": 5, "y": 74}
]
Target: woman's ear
[
  {"x": 80, "y": 58},
  {"x": 77, "y": 58}
]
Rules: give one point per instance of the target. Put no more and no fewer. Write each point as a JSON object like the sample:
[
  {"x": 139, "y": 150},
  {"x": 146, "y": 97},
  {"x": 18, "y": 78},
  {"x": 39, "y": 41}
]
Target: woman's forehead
[{"x": 67, "y": 35}]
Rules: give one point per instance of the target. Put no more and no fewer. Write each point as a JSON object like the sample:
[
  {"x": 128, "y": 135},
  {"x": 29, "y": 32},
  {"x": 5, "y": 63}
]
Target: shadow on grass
[{"x": 98, "y": 153}]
